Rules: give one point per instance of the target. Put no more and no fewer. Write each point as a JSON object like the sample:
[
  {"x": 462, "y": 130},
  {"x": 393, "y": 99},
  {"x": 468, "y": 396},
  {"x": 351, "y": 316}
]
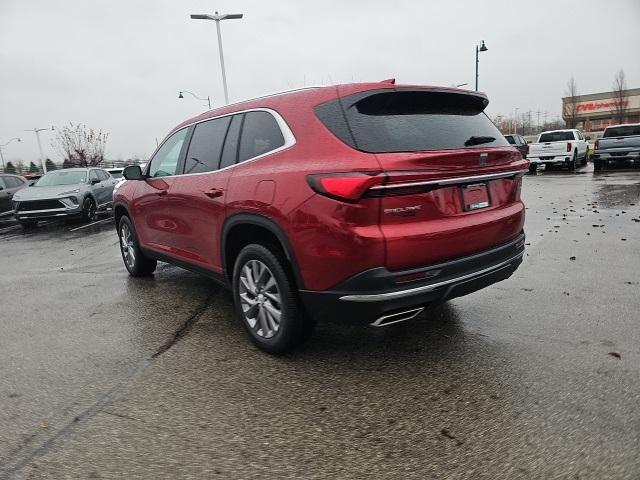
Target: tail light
[
  {"x": 596, "y": 144},
  {"x": 526, "y": 151},
  {"x": 568, "y": 146},
  {"x": 346, "y": 187}
]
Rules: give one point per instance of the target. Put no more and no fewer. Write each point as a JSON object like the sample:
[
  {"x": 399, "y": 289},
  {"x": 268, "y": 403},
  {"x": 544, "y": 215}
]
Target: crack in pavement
[{"x": 7, "y": 472}]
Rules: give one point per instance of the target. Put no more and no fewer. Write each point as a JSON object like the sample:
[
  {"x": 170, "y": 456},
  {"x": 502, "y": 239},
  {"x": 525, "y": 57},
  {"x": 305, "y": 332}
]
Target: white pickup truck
[{"x": 559, "y": 147}]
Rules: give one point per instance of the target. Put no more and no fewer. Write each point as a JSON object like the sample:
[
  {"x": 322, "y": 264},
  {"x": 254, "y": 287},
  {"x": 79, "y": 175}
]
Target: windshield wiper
[{"x": 478, "y": 140}]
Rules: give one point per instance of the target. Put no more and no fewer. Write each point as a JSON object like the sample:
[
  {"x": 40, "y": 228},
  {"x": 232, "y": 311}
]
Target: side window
[
  {"x": 93, "y": 175},
  {"x": 3, "y": 183},
  {"x": 165, "y": 161},
  {"x": 12, "y": 182},
  {"x": 230, "y": 151},
  {"x": 102, "y": 175},
  {"x": 206, "y": 146},
  {"x": 260, "y": 134}
]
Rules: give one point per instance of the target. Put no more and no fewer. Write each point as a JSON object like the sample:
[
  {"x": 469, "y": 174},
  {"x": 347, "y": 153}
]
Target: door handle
[{"x": 213, "y": 193}]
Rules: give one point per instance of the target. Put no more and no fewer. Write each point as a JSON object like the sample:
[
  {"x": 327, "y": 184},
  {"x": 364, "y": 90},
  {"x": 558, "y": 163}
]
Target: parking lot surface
[{"x": 107, "y": 376}]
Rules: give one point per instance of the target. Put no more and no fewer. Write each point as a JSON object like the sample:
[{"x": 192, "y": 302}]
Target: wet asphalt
[{"x": 103, "y": 376}]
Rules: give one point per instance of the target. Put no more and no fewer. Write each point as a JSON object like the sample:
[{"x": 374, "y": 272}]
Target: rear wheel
[
  {"x": 266, "y": 300},
  {"x": 597, "y": 165},
  {"x": 572, "y": 163},
  {"x": 586, "y": 158},
  {"x": 28, "y": 224},
  {"x": 136, "y": 262},
  {"x": 533, "y": 167},
  {"x": 88, "y": 209}
]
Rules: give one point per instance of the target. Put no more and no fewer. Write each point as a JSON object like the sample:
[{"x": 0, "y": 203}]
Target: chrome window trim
[
  {"x": 287, "y": 134},
  {"x": 452, "y": 181},
  {"x": 381, "y": 297}
]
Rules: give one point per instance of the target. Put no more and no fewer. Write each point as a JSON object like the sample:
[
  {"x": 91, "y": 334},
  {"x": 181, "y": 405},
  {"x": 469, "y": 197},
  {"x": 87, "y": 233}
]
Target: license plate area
[{"x": 475, "y": 197}]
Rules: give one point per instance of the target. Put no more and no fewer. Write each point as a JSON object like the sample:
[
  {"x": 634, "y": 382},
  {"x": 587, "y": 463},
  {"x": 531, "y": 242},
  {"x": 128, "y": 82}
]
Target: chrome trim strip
[
  {"x": 452, "y": 181},
  {"x": 53, "y": 210},
  {"x": 414, "y": 311},
  {"x": 380, "y": 297},
  {"x": 289, "y": 141}
]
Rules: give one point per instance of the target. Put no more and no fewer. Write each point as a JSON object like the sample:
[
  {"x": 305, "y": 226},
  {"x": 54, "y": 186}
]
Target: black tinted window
[
  {"x": 230, "y": 151},
  {"x": 510, "y": 139},
  {"x": 402, "y": 121},
  {"x": 556, "y": 137},
  {"x": 625, "y": 131},
  {"x": 260, "y": 134},
  {"x": 206, "y": 146}
]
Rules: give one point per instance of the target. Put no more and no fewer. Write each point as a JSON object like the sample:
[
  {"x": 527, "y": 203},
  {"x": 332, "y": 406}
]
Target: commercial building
[{"x": 596, "y": 111}]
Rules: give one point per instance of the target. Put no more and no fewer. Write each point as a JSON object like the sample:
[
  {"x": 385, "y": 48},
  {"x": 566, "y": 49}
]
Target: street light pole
[
  {"x": 195, "y": 96},
  {"x": 37, "y": 132},
  {"x": 481, "y": 48},
  {"x": 217, "y": 18},
  {"x": 4, "y": 145}
]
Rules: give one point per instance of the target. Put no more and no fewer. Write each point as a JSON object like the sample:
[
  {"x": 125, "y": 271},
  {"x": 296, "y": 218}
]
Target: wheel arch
[{"x": 262, "y": 228}]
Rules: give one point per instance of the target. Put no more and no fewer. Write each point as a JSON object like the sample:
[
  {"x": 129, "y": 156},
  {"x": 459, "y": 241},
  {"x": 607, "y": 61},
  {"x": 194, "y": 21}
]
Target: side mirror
[
  {"x": 587, "y": 137},
  {"x": 132, "y": 172},
  {"x": 94, "y": 181}
]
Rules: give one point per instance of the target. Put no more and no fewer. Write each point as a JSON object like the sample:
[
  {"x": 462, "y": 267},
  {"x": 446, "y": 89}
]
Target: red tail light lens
[
  {"x": 568, "y": 146},
  {"x": 346, "y": 187},
  {"x": 596, "y": 145}
]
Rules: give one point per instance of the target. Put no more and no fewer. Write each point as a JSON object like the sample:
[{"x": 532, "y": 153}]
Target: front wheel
[
  {"x": 138, "y": 265},
  {"x": 88, "y": 209},
  {"x": 266, "y": 300}
]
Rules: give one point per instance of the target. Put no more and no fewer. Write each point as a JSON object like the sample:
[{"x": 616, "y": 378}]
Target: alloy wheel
[
  {"x": 260, "y": 298},
  {"x": 127, "y": 246}
]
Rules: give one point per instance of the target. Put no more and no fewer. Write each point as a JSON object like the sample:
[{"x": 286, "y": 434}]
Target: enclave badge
[{"x": 483, "y": 159}]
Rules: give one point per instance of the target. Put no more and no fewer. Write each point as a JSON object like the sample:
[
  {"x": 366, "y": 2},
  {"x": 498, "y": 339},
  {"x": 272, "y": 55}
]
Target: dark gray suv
[
  {"x": 72, "y": 192},
  {"x": 9, "y": 185}
]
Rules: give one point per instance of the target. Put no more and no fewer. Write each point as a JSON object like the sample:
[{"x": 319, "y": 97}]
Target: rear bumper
[
  {"x": 375, "y": 297},
  {"x": 551, "y": 159},
  {"x": 630, "y": 157}
]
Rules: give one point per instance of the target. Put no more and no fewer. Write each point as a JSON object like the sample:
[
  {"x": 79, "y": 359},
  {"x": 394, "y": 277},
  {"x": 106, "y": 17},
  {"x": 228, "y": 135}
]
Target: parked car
[
  {"x": 559, "y": 148},
  {"x": 31, "y": 178},
  {"x": 619, "y": 144},
  {"x": 72, "y": 192},
  {"x": 519, "y": 142},
  {"x": 115, "y": 172},
  {"x": 9, "y": 185},
  {"x": 361, "y": 202}
]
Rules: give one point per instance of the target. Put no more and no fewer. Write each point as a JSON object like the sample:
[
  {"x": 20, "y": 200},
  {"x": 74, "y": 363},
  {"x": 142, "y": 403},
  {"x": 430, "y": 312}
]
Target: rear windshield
[
  {"x": 116, "y": 173},
  {"x": 510, "y": 139},
  {"x": 409, "y": 121},
  {"x": 624, "y": 131},
  {"x": 556, "y": 137}
]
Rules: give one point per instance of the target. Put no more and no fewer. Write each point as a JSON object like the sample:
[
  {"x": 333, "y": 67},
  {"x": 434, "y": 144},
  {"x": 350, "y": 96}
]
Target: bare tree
[
  {"x": 570, "y": 106},
  {"x": 79, "y": 146},
  {"x": 620, "y": 98}
]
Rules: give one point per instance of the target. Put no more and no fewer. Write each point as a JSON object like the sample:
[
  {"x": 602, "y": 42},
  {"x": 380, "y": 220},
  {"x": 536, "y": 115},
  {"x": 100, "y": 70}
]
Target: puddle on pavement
[{"x": 615, "y": 196}]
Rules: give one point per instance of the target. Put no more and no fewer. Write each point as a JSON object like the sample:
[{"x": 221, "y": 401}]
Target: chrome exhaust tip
[{"x": 397, "y": 317}]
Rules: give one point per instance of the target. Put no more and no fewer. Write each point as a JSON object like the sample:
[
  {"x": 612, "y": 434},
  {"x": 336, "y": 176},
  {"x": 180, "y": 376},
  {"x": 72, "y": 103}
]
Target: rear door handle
[{"x": 213, "y": 193}]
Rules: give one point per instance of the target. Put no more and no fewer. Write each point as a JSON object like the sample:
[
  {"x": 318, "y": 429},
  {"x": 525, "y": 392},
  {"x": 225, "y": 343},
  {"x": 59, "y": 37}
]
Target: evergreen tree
[
  {"x": 50, "y": 165},
  {"x": 33, "y": 168},
  {"x": 9, "y": 168}
]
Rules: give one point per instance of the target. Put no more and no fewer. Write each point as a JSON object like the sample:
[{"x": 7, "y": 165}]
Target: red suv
[{"x": 360, "y": 202}]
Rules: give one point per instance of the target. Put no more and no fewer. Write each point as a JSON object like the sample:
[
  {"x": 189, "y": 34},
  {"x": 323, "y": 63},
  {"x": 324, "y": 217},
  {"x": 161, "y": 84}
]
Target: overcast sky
[{"x": 117, "y": 65}]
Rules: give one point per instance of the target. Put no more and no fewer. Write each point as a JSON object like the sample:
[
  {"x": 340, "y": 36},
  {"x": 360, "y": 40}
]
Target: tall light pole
[
  {"x": 217, "y": 18},
  {"x": 481, "y": 48},
  {"x": 37, "y": 132},
  {"x": 515, "y": 120},
  {"x": 4, "y": 145},
  {"x": 208, "y": 100}
]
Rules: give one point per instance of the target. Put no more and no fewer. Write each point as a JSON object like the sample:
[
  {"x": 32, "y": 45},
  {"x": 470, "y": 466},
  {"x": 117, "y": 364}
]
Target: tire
[
  {"x": 137, "y": 264},
  {"x": 574, "y": 160},
  {"x": 597, "y": 165},
  {"x": 266, "y": 300},
  {"x": 88, "y": 209},
  {"x": 28, "y": 224},
  {"x": 585, "y": 159},
  {"x": 533, "y": 167}
]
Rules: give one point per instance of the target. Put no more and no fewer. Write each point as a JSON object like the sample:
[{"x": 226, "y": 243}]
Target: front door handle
[{"x": 213, "y": 193}]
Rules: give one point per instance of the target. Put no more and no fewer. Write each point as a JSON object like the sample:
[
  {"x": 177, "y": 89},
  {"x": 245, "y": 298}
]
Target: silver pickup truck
[{"x": 620, "y": 144}]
